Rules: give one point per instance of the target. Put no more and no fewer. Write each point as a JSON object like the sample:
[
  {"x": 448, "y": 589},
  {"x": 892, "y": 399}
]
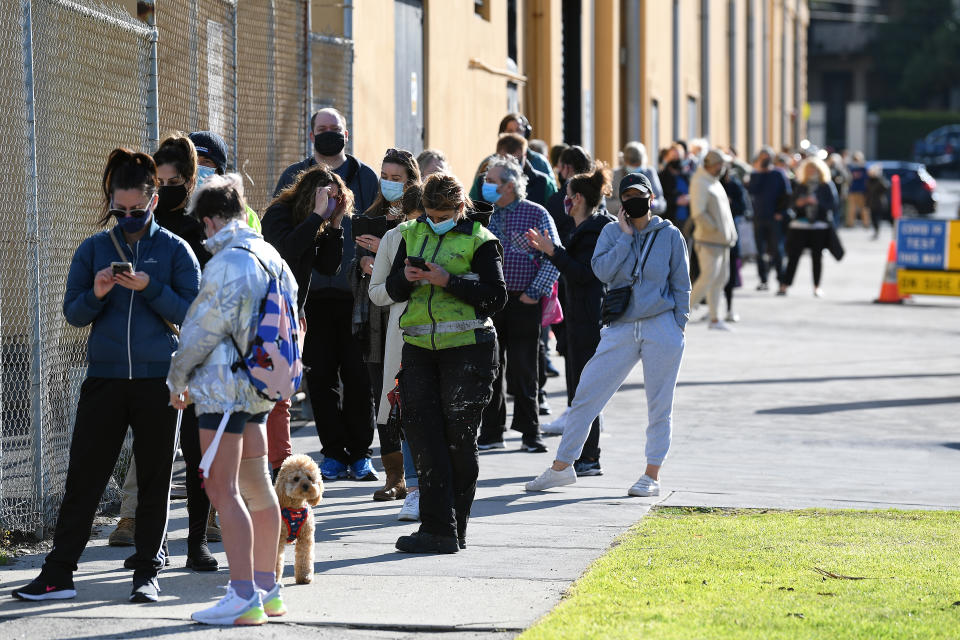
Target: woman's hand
[
  {"x": 525, "y": 299},
  {"x": 368, "y": 242},
  {"x": 103, "y": 282},
  {"x": 366, "y": 265},
  {"x": 320, "y": 200},
  {"x": 540, "y": 242},
  {"x": 625, "y": 225},
  {"x": 179, "y": 401},
  {"x": 437, "y": 275},
  {"x": 134, "y": 281}
]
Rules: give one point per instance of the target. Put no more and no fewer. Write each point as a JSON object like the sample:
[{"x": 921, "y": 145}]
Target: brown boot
[
  {"x": 122, "y": 536},
  {"x": 395, "y": 487},
  {"x": 213, "y": 529}
]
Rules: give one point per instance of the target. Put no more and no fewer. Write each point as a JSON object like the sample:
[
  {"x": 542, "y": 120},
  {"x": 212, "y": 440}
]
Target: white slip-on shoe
[
  {"x": 644, "y": 487},
  {"x": 550, "y": 479},
  {"x": 234, "y": 610},
  {"x": 554, "y": 428},
  {"x": 719, "y": 325},
  {"x": 410, "y": 511}
]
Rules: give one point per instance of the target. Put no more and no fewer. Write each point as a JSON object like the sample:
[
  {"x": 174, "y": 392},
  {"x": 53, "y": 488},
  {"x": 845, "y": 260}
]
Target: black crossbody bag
[{"x": 616, "y": 301}]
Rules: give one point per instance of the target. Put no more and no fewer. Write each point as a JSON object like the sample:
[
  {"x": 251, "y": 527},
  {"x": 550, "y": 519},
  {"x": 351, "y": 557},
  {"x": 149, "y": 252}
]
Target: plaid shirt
[{"x": 525, "y": 269}]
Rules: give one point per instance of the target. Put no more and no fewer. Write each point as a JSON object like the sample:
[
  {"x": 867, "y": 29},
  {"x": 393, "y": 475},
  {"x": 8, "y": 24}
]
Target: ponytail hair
[
  {"x": 127, "y": 169},
  {"x": 412, "y": 200},
  {"x": 592, "y": 186},
  {"x": 179, "y": 151}
]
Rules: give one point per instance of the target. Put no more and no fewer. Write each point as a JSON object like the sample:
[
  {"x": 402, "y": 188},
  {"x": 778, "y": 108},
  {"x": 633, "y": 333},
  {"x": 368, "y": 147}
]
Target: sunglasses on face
[{"x": 133, "y": 213}]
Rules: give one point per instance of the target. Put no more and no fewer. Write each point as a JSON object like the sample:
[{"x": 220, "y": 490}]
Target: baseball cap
[
  {"x": 636, "y": 181},
  {"x": 211, "y": 145}
]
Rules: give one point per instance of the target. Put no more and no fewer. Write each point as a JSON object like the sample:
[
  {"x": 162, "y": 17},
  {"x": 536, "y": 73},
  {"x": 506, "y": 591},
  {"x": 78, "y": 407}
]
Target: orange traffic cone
[{"x": 889, "y": 292}]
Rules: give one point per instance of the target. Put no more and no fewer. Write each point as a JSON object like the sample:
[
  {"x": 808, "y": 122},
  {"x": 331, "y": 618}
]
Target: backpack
[{"x": 272, "y": 361}]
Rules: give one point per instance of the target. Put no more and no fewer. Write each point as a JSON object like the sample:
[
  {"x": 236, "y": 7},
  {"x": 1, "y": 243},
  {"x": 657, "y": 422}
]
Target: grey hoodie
[{"x": 664, "y": 284}]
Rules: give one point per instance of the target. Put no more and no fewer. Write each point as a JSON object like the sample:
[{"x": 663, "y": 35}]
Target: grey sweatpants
[{"x": 657, "y": 342}]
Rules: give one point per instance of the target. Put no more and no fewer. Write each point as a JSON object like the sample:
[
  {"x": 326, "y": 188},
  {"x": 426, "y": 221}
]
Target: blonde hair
[{"x": 819, "y": 165}]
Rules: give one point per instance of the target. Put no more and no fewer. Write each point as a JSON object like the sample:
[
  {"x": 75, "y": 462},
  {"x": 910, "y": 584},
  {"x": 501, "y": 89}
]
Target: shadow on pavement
[
  {"x": 817, "y": 409},
  {"x": 811, "y": 380}
]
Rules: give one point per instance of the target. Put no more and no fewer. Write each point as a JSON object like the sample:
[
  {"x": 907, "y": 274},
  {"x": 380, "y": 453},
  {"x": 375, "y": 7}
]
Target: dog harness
[{"x": 294, "y": 519}]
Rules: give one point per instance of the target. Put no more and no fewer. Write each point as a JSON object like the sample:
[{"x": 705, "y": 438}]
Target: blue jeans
[{"x": 409, "y": 469}]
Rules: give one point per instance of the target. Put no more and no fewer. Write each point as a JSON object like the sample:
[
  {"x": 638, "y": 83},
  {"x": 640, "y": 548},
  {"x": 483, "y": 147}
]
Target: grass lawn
[{"x": 719, "y": 573}]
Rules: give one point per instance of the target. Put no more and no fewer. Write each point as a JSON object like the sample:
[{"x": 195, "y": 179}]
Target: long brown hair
[
  {"x": 127, "y": 169},
  {"x": 301, "y": 196},
  {"x": 178, "y": 150},
  {"x": 443, "y": 192},
  {"x": 406, "y": 160}
]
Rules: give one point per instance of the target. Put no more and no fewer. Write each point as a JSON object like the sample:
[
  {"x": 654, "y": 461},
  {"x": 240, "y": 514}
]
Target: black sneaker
[
  {"x": 145, "y": 589},
  {"x": 43, "y": 589},
  {"x": 533, "y": 445},
  {"x": 484, "y": 445},
  {"x": 427, "y": 543},
  {"x": 587, "y": 468},
  {"x": 462, "y": 543},
  {"x": 199, "y": 558}
]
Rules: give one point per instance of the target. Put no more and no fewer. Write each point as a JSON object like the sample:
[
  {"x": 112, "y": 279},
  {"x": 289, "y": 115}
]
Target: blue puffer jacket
[{"x": 129, "y": 338}]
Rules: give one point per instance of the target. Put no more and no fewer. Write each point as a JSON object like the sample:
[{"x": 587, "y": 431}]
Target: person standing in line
[
  {"x": 539, "y": 187},
  {"x": 132, "y": 308},
  {"x": 231, "y": 412},
  {"x": 432, "y": 161},
  {"x": 714, "y": 233},
  {"x": 815, "y": 204},
  {"x": 857, "y": 192},
  {"x": 212, "y": 155},
  {"x": 330, "y": 293},
  {"x": 370, "y": 322},
  {"x": 877, "y": 197},
  {"x": 448, "y": 269},
  {"x": 583, "y": 292},
  {"x": 647, "y": 254},
  {"x": 401, "y": 483},
  {"x": 518, "y": 123},
  {"x": 770, "y": 192},
  {"x": 740, "y": 208},
  {"x": 634, "y": 160},
  {"x": 307, "y": 223},
  {"x": 676, "y": 186},
  {"x": 529, "y": 277}
]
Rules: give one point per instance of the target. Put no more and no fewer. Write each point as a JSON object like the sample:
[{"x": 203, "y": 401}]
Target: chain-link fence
[{"x": 75, "y": 83}]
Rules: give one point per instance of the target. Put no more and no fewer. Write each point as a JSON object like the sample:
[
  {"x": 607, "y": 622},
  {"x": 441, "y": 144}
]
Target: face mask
[
  {"x": 132, "y": 225},
  {"x": 391, "y": 190},
  {"x": 490, "y": 193},
  {"x": 203, "y": 173},
  {"x": 637, "y": 207},
  {"x": 329, "y": 143},
  {"x": 766, "y": 163},
  {"x": 441, "y": 228},
  {"x": 675, "y": 165},
  {"x": 170, "y": 198},
  {"x": 567, "y": 204}
]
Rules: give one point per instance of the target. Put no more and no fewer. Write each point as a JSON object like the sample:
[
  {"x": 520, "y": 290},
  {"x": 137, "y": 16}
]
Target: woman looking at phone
[
  {"x": 130, "y": 310},
  {"x": 449, "y": 355},
  {"x": 398, "y": 171}
]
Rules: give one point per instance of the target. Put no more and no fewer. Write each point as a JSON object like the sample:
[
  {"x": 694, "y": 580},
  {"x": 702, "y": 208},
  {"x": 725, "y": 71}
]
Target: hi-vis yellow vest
[{"x": 435, "y": 319}]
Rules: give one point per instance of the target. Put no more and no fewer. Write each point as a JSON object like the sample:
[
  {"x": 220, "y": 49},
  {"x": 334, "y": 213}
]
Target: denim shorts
[{"x": 235, "y": 424}]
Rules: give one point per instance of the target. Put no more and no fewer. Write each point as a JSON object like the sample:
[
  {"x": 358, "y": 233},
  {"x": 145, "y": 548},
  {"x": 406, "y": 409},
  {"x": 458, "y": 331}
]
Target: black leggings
[
  {"x": 443, "y": 394},
  {"x": 797, "y": 241}
]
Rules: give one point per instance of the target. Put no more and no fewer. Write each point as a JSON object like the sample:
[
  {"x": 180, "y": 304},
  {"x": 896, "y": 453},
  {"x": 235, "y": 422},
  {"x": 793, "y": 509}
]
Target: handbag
[
  {"x": 552, "y": 312},
  {"x": 616, "y": 301},
  {"x": 834, "y": 246}
]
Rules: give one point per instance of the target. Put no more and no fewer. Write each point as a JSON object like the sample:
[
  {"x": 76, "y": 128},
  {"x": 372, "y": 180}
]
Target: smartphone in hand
[
  {"x": 121, "y": 267},
  {"x": 418, "y": 262}
]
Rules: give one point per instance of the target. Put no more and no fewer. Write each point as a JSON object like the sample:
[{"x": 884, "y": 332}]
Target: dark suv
[
  {"x": 940, "y": 149},
  {"x": 917, "y": 186}
]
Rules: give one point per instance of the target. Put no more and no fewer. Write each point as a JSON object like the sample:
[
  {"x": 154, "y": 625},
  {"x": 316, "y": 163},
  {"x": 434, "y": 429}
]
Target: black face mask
[
  {"x": 329, "y": 143},
  {"x": 171, "y": 198},
  {"x": 675, "y": 165},
  {"x": 636, "y": 207},
  {"x": 766, "y": 163}
]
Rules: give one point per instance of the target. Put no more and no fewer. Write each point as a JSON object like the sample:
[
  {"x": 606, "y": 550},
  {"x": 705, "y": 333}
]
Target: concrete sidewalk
[{"x": 811, "y": 402}]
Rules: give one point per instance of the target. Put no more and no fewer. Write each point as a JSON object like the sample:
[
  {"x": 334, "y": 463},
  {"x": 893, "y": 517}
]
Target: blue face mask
[
  {"x": 490, "y": 193},
  {"x": 441, "y": 228},
  {"x": 203, "y": 173},
  {"x": 391, "y": 190}
]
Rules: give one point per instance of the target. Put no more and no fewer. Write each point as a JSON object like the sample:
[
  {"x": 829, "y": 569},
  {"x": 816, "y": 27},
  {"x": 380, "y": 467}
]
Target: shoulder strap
[
  {"x": 644, "y": 254},
  {"x": 264, "y": 266},
  {"x": 123, "y": 258}
]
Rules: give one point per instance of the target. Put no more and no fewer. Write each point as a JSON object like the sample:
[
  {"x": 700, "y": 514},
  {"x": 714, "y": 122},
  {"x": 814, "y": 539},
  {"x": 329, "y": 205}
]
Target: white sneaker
[
  {"x": 550, "y": 479},
  {"x": 554, "y": 428},
  {"x": 732, "y": 317},
  {"x": 644, "y": 487},
  {"x": 719, "y": 325},
  {"x": 410, "y": 511},
  {"x": 818, "y": 293},
  {"x": 234, "y": 610}
]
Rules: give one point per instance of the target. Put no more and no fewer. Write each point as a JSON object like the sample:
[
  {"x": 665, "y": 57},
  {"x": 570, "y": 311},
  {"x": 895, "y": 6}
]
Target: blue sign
[{"x": 922, "y": 244}]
